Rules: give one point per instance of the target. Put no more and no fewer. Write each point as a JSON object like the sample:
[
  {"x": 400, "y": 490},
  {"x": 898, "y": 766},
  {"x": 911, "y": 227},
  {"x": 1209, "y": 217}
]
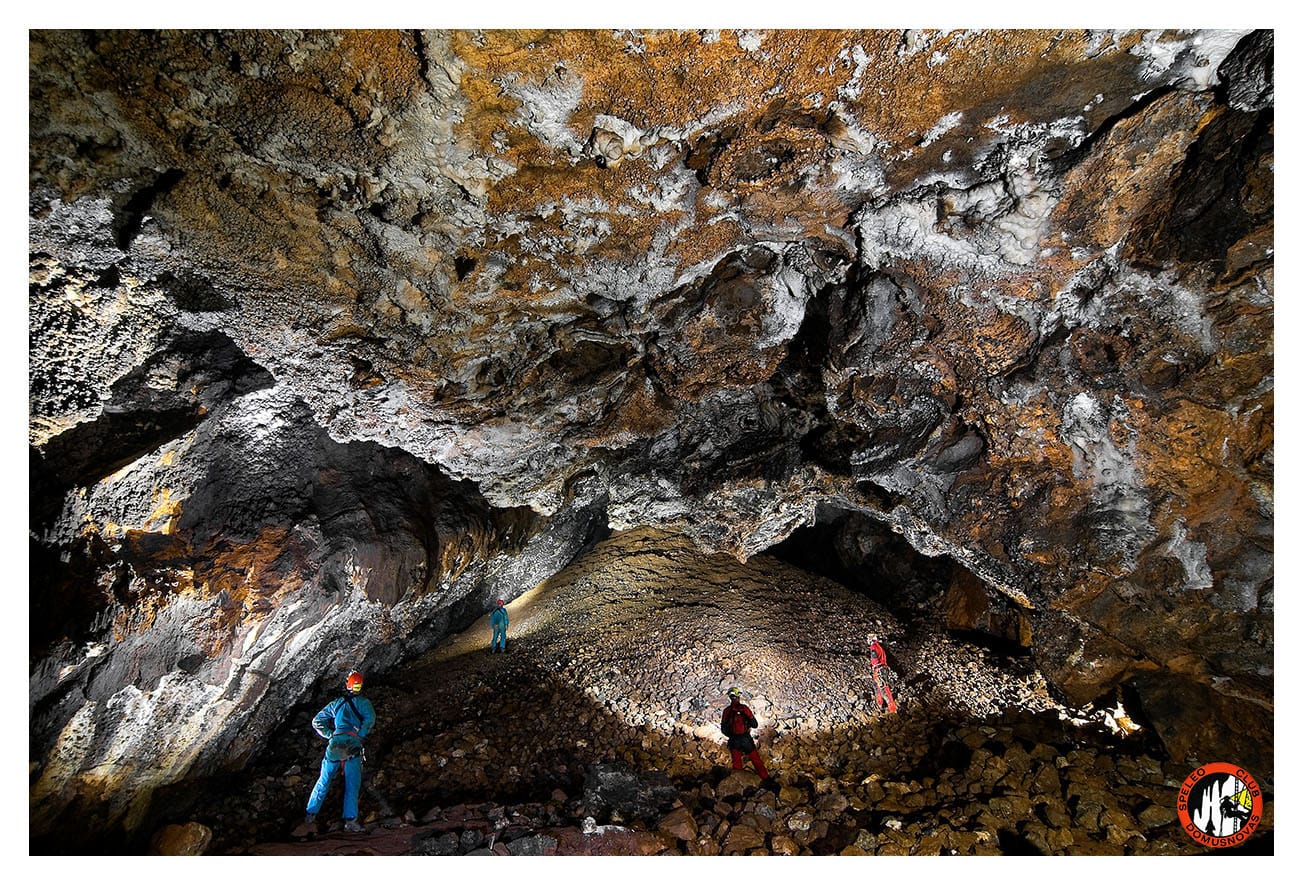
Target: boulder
[
  {"x": 191, "y": 838},
  {"x": 616, "y": 790},
  {"x": 434, "y": 843},
  {"x": 741, "y": 838},
  {"x": 802, "y": 820},
  {"x": 738, "y": 782},
  {"x": 679, "y": 824},
  {"x": 1156, "y": 815},
  {"x": 781, "y": 845}
]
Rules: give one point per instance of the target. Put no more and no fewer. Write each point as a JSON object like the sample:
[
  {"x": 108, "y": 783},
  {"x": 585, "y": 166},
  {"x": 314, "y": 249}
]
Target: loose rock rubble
[{"x": 596, "y": 734}]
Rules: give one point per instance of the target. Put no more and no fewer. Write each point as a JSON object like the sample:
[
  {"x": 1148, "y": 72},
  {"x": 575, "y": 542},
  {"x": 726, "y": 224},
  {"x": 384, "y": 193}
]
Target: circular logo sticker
[{"x": 1219, "y": 805}]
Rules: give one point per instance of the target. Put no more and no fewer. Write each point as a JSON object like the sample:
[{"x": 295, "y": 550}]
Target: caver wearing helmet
[
  {"x": 737, "y": 723},
  {"x": 498, "y": 621},
  {"x": 343, "y": 723},
  {"x": 883, "y": 698}
]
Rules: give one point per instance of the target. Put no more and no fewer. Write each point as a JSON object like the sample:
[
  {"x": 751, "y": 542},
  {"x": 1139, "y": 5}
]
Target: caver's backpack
[{"x": 734, "y": 721}]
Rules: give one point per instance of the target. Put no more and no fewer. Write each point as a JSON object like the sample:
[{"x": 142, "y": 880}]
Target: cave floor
[{"x": 595, "y": 733}]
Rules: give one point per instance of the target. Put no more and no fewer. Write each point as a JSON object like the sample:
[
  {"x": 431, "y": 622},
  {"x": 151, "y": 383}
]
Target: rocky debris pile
[
  {"x": 1022, "y": 784},
  {"x": 487, "y": 829},
  {"x": 986, "y": 790},
  {"x": 547, "y": 750},
  {"x": 793, "y": 641}
]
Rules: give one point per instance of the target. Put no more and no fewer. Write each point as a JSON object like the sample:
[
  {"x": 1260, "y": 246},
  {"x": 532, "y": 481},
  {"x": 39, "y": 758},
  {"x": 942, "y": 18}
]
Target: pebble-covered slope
[{"x": 652, "y": 630}]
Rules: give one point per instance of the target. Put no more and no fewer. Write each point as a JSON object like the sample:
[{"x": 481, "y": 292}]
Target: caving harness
[{"x": 347, "y": 750}]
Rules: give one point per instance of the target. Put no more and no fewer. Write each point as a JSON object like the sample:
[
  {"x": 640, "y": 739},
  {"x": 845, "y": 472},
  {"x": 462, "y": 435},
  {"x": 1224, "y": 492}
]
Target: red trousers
[
  {"x": 754, "y": 757},
  {"x": 883, "y": 694}
]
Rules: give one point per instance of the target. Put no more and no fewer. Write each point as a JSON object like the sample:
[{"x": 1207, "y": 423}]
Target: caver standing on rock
[
  {"x": 878, "y": 662},
  {"x": 498, "y": 621},
  {"x": 737, "y": 723},
  {"x": 344, "y": 722}
]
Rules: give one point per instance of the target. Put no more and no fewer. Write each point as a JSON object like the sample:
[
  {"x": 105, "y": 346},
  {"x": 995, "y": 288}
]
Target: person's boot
[
  {"x": 351, "y": 825},
  {"x": 308, "y": 828}
]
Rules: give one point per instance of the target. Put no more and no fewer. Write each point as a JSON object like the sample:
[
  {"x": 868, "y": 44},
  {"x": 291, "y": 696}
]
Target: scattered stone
[
  {"x": 741, "y": 838},
  {"x": 1057, "y": 814},
  {"x": 704, "y": 846},
  {"x": 191, "y": 838},
  {"x": 1157, "y": 815},
  {"x": 448, "y": 843},
  {"x": 738, "y": 782},
  {"x": 679, "y": 824},
  {"x": 792, "y": 796},
  {"x": 831, "y": 805},
  {"x": 801, "y": 821},
  {"x": 781, "y": 845},
  {"x": 535, "y": 844},
  {"x": 1060, "y": 839}
]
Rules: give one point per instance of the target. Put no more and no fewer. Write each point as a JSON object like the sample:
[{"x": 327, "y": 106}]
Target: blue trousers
[
  {"x": 499, "y": 639},
  {"x": 352, "y": 785}
]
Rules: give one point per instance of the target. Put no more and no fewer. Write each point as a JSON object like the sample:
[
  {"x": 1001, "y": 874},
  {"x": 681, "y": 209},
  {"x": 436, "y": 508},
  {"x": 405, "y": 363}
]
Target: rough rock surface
[{"x": 337, "y": 335}]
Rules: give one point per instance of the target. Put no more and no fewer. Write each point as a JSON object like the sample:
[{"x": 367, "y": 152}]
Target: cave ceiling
[{"x": 332, "y": 332}]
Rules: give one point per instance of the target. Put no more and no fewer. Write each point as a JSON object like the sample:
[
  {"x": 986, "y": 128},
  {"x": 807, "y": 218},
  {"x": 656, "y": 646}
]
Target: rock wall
[{"x": 330, "y": 328}]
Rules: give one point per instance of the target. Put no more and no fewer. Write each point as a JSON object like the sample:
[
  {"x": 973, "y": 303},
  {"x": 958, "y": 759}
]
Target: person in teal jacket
[
  {"x": 344, "y": 723},
  {"x": 498, "y": 621}
]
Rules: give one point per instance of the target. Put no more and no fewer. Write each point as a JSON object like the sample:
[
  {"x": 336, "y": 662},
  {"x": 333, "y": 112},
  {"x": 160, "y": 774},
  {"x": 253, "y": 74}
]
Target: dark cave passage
[{"x": 865, "y": 555}]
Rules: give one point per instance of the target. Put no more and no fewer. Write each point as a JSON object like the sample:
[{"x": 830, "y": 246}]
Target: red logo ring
[{"x": 1219, "y": 805}]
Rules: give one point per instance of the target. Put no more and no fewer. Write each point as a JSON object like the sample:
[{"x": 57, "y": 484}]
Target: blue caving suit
[
  {"x": 345, "y": 729},
  {"x": 498, "y": 621}
]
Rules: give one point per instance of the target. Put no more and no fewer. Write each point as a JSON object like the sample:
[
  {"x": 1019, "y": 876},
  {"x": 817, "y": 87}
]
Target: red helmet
[
  {"x": 353, "y": 682},
  {"x": 500, "y": 602}
]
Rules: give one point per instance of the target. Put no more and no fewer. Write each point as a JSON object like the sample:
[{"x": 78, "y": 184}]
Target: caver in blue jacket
[
  {"x": 498, "y": 621},
  {"x": 345, "y": 722}
]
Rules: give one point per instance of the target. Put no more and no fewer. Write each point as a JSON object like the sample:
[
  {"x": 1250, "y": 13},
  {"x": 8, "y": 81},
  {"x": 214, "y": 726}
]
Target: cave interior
[{"x": 713, "y": 353}]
